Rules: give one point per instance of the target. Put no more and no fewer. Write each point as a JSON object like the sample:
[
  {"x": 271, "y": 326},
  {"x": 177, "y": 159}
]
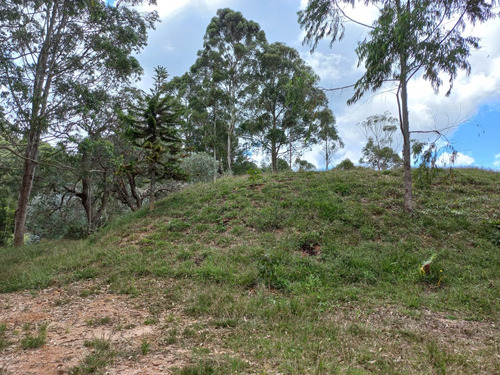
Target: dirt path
[{"x": 78, "y": 314}]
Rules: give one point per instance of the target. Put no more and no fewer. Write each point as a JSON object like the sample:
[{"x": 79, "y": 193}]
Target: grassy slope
[{"x": 302, "y": 263}]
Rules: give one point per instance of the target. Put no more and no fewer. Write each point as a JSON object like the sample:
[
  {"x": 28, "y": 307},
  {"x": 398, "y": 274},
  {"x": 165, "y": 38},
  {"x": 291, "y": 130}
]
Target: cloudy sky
[{"x": 471, "y": 113}]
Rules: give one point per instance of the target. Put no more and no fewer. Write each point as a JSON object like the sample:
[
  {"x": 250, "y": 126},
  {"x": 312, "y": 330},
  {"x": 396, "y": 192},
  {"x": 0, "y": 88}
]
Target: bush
[
  {"x": 201, "y": 167},
  {"x": 345, "y": 165}
]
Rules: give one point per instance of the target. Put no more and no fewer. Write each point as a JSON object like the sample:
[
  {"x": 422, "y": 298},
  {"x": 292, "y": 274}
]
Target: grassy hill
[{"x": 304, "y": 273}]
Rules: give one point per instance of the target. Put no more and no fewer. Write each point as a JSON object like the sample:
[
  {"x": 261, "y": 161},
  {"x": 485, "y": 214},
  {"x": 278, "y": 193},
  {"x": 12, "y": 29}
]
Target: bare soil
[{"x": 75, "y": 316}]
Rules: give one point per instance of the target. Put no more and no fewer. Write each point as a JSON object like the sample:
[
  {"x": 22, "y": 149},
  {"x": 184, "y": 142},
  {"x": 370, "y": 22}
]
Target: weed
[
  {"x": 35, "y": 341},
  {"x": 3, "y": 340},
  {"x": 102, "y": 321},
  {"x": 145, "y": 346},
  {"x": 101, "y": 356},
  {"x": 151, "y": 321},
  {"x": 437, "y": 357}
]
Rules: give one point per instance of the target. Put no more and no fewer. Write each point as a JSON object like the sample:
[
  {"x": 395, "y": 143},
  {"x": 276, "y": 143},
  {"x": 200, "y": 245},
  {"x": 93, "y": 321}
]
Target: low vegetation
[{"x": 295, "y": 273}]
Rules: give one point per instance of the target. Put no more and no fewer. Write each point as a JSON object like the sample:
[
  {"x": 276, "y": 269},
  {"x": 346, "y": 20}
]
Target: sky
[{"x": 470, "y": 115}]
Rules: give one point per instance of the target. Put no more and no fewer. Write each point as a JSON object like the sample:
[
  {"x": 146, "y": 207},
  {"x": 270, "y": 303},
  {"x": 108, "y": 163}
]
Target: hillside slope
[{"x": 300, "y": 273}]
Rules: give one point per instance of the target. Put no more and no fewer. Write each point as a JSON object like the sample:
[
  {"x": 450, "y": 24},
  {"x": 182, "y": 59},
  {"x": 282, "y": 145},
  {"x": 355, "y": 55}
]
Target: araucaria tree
[
  {"x": 227, "y": 65},
  {"x": 409, "y": 37},
  {"x": 49, "y": 49},
  {"x": 152, "y": 121}
]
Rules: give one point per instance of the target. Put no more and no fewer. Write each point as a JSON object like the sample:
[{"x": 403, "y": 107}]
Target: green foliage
[
  {"x": 152, "y": 122},
  {"x": 304, "y": 165},
  {"x": 200, "y": 167},
  {"x": 145, "y": 346},
  {"x": 225, "y": 70},
  {"x": 6, "y": 222},
  {"x": 346, "y": 165},
  {"x": 93, "y": 43},
  {"x": 254, "y": 175},
  {"x": 288, "y": 105}
]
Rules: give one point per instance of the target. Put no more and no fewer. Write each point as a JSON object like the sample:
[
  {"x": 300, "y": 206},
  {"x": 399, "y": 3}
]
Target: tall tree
[
  {"x": 408, "y": 37},
  {"x": 287, "y": 105},
  {"x": 153, "y": 121},
  {"x": 328, "y": 136},
  {"x": 227, "y": 61},
  {"x": 48, "y": 50},
  {"x": 379, "y": 150}
]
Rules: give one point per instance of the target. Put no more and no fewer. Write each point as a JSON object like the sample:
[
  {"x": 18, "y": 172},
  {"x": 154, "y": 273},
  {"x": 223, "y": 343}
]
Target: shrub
[
  {"x": 345, "y": 165},
  {"x": 200, "y": 166}
]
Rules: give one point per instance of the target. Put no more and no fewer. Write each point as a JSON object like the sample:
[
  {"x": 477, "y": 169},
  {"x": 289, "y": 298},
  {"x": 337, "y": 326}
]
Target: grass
[
  {"x": 34, "y": 341},
  {"x": 4, "y": 342},
  {"x": 303, "y": 272},
  {"x": 94, "y": 363}
]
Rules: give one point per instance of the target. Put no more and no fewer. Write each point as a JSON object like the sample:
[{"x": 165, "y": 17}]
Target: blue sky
[{"x": 471, "y": 112}]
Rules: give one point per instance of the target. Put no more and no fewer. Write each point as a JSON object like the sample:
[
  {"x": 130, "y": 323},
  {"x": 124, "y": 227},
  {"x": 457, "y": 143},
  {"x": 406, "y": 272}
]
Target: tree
[
  {"x": 379, "y": 152},
  {"x": 50, "y": 50},
  {"x": 327, "y": 134},
  {"x": 152, "y": 122},
  {"x": 408, "y": 37},
  {"x": 288, "y": 106},
  {"x": 304, "y": 165},
  {"x": 227, "y": 64}
]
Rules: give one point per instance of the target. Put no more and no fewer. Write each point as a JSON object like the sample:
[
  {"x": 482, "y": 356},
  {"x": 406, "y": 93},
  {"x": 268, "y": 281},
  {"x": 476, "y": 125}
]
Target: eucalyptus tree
[
  {"x": 227, "y": 63},
  {"x": 287, "y": 105},
  {"x": 202, "y": 123},
  {"x": 49, "y": 49},
  {"x": 153, "y": 121},
  {"x": 408, "y": 37},
  {"x": 379, "y": 151},
  {"x": 328, "y": 136}
]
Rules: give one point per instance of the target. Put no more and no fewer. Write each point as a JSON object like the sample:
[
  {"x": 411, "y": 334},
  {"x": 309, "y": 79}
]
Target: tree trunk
[
  {"x": 274, "y": 157},
  {"x": 229, "y": 153},
  {"x": 152, "y": 189},
  {"x": 30, "y": 162},
  {"x": 327, "y": 154},
  {"x": 405, "y": 130}
]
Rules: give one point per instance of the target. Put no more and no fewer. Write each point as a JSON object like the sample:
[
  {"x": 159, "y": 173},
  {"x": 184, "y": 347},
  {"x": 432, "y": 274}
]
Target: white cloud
[
  {"x": 326, "y": 66},
  {"x": 458, "y": 160},
  {"x": 428, "y": 111},
  {"x": 168, "y": 8},
  {"x": 496, "y": 163}
]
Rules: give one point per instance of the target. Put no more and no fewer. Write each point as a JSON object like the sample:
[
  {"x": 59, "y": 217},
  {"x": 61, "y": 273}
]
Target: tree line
[
  {"x": 75, "y": 131},
  {"x": 77, "y": 134}
]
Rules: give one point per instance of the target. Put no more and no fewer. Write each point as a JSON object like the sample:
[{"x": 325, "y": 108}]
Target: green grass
[
  {"x": 95, "y": 362},
  {"x": 34, "y": 341},
  {"x": 4, "y": 342},
  {"x": 296, "y": 264}
]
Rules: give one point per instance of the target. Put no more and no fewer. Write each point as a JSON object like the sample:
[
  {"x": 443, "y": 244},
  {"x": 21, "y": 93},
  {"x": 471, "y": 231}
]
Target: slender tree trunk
[
  {"x": 405, "y": 130},
  {"x": 229, "y": 166},
  {"x": 152, "y": 189},
  {"x": 274, "y": 151},
  {"x": 274, "y": 157},
  {"x": 41, "y": 89},
  {"x": 215, "y": 145},
  {"x": 87, "y": 201},
  {"x": 327, "y": 153},
  {"x": 30, "y": 162}
]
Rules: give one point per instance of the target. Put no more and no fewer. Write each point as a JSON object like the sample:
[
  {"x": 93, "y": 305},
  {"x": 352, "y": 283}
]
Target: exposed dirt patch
[
  {"x": 73, "y": 319},
  {"x": 311, "y": 249}
]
